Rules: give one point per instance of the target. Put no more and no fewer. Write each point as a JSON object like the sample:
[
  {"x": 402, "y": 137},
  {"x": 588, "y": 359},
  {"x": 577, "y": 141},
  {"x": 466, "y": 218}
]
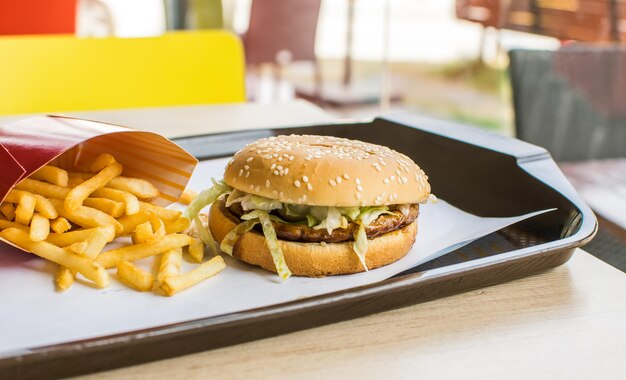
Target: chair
[
  {"x": 282, "y": 31},
  {"x": 65, "y": 73},
  {"x": 571, "y": 101}
]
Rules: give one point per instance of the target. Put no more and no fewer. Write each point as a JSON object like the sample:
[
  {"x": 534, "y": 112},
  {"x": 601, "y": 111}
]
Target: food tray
[{"x": 477, "y": 171}]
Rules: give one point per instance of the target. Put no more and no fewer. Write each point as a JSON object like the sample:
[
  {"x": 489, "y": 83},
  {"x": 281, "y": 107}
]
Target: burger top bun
[{"x": 326, "y": 171}]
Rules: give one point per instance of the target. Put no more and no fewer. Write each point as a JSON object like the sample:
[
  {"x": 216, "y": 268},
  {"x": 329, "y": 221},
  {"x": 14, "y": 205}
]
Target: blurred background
[{"x": 551, "y": 72}]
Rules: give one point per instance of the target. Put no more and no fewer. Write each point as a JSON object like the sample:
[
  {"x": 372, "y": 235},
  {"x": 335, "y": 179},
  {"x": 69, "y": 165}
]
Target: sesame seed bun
[
  {"x": 312, "y": 259},
  {"x": 326, "y": 171}
]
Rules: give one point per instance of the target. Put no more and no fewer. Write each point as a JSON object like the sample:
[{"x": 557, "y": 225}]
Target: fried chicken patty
[{"x": 302, "y": 233}]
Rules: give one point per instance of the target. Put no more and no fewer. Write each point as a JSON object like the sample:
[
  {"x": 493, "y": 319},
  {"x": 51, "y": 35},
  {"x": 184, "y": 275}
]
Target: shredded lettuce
[
  {"x": 370, "y": 214},
  {"x": 360, "y": 245},
  {"x": 272, "y": 244},
  {"x": 229, "y": 241},
  {"x": 206, "y": 197},
  {"x": 205, "y": 234},
  {"x": 331, "y": 221}
]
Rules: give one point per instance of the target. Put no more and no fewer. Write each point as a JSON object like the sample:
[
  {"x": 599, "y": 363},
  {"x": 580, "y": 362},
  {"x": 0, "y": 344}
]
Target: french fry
[
  {"x": 100, "y": 162},
  {"x": 174, "y": 284},
  {"x": 91, "y": 270},
  {"x": 8, "y": 210},
  {"x": 134, "y": 277},
  {"x": 87, "y": 217},
  {"x": 77, "y": 195},
  {"x": 74, "y": 180},
  {"x": 136, "y": 186},
  {"x": 170, "y": 264},
  {"x": 42, "y": 205},
  {"x": 39, "y": 228},
  {"x": 109, "y": 259},
  {"x": 187, "y": 196},
  {"x": 98, "y": 240},
  {"x": 164, "y": 214},
  {"x": 158, "y": 228},
  {"x": 60, "y": 225},
  {"x": 64, "y": 278},
  {"x": 78, "y": 248},
  {"x": 196, "y": 250},
  {"x": 25, "y": 209},
  {"x": 130, "y": 222},
  {"x": 68, "y": 238},
  {"x": 113, "y": 208},
  {"x": 143, "y": 233},
  {"x": 51, "y": 174},
  {"x": 8, "y": 224},
  {"x": 47, "y": 190},
  {"x": 130, "y": 201},
  {"x": 179, "y": 225}
]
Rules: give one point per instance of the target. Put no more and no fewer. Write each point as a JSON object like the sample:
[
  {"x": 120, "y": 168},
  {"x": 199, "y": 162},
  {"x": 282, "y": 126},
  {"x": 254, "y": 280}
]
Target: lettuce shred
[
  {"x": 360, "y": 245},
  {"x": 229, "y": 241},
  {"x": 205, "y": 234},
  {"x": 206, "y": 197}
]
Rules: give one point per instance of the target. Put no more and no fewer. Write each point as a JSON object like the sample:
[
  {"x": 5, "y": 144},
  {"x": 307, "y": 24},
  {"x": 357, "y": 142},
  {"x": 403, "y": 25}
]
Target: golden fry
[
  {"x": 110, "y": 258},
  {"x": 60, "y": 225},
  {"x": 39, "y": 228},
  {"x": 196, "y": 250},
  {"x": 8, "y": 224},
  {"x": 179, "y": 225},
  {"x": 47, "y": 190},
  {"x": 134, "y": 276},
  {"x": 164, "y": 214},
  {"x": 143, "y": 233},
  {"x": 174, "y": 284},
  {"x": 113, "y": 208},
  {"x": 8, "y": 210},
  {"x": 130, "y": 201},
  {"x": 91, "y": 270},
  {"x": 98, "y": 240},
  {"x": 64, "y": 278},
  {"x": 130, "y": 222},
  {"x": 42, "y": 205},
  {"x": 68, "y": 238},
  {"x": 102, "y": 161},
  {"x": 136, "y": 186},
  {"x": 158, "y": 228},
  {"x": 87, "y": 217},
  {"x": 187, "y": 196},
  {"x": 170, "y": 264},
  {"x": 51, "y": 174},
  {"x": 77, "y": 195},
  {"x": 25, "y": 209},
  {"x": 78, "y": 248}
]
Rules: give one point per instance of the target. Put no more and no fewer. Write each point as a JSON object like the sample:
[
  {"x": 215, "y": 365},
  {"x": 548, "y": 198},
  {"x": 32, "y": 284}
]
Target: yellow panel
[{"x": 65, "y": 73}]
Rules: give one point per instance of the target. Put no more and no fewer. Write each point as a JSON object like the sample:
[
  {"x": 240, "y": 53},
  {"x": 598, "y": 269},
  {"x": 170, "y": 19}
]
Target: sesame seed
[
  {"x": 338, "y": 179},
  {"x": 286, "y": 170},
  {"x": 393, "y": 177},
  {"x": 246, "y": 167},
  {"x": 280, "y": 194},
  {"x": 297, "y": 183},
  {"x": 280, "y": 158},
  {"x": 309, "y": 187},
  {"x": 291, "y": 158},
  {"x": 275, "y": 172},
  {"x": 251, "y": 187},
  {"x": 273, "y": 167},
  {"x": 275, "y": 155},
  {"x": 257, "y": 189},
  {"x": 332, "y": 182},
  {"x": 359, "y": 188},
  {"x": 386, "y": 180},
  {"x": 247, "y": 174},
  {"x": 267, "y": 183},
  {"x": 240, "y": 172},
  {"x": 275, "y": 192},
  {"x": 378, "y": 168},
  {"x": 390, "y": 197},
  {"x": 404, "y": 180},
  {"x": 305, "y": 179},
  {"x": 279, "y": 167},
  {"x": 250, "y": 159},
  {"x": 358, "y": 181},
  {"x": 346, "y": 176},
  {"x": 304, "y": 198}
]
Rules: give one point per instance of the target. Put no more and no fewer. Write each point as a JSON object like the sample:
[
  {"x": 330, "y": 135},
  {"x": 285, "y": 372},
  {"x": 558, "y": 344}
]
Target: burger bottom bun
[{"x": 312, "y": 259}]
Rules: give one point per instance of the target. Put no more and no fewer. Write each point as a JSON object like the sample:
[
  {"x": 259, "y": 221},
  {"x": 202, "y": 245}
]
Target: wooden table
[{"x": 567, "y": 322}]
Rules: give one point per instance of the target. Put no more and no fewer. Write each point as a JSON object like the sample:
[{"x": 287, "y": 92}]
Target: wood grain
[{"x": 566, "y": 322}]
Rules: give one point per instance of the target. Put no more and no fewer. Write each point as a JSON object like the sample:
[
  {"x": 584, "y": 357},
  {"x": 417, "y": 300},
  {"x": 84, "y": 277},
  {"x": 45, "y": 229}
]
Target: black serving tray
[{"x": 477, "y": 171}]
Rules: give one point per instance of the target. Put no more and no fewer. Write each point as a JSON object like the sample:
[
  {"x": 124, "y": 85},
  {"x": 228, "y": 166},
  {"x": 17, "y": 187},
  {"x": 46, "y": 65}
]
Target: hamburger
[{"x": 315, "y": 205}]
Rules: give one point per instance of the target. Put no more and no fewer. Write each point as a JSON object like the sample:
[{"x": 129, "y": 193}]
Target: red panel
[{"x": 37, "y": 16}]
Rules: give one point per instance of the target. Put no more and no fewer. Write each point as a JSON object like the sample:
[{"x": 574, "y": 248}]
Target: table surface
[{"x": 566, "y": 322}]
